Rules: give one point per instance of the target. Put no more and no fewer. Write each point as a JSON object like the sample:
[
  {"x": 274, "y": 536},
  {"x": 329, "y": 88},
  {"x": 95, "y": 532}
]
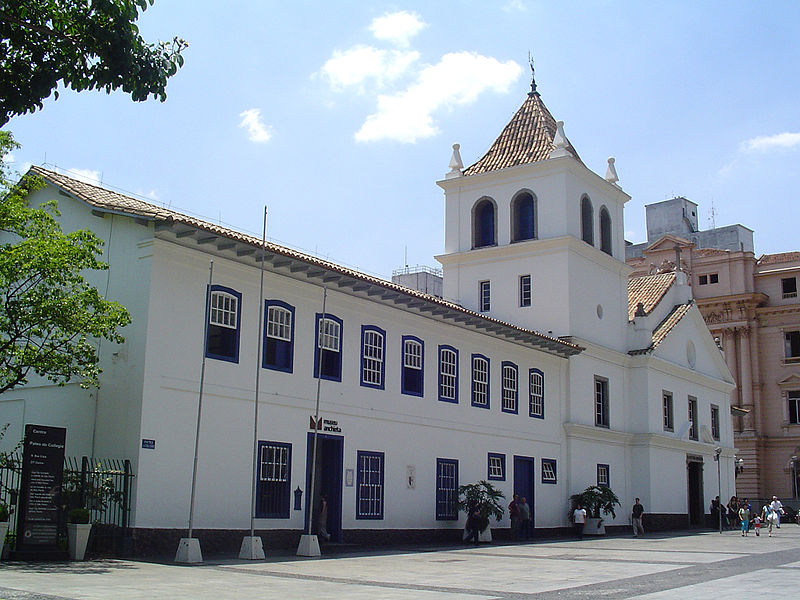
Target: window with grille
[
  {"x": 480, "y": 381},
  {"x": 327, "y": 350},
  {"x": 279, "y": 336},
  {"x": 224, "y": 312},
  {"x": 601, "y": 402},
  {"x": 715, "y": 421},
  {"x": 372, "y": 351},
  {"x": 789, "y": 287},
  {"x": 486, "y": 295},
  {"x": 448, "y": 374},
  {"x": 510, "y": 394},
  {"x": 525, "y": 290},
  {"x": 273, "y": 486},
  {"x": 669, "y": 422},
  {"x": 369, "y": 501},
  {"x": 603, "y": 476},
  {"x": 549, "y": 472},
  {"x": 496, "y": 470},
  {"x": 693, "y": 418},
  {"x": 536, "y": 394},
  {"x": 413, "y": 359},
  {"x": 446, "y": 489}
]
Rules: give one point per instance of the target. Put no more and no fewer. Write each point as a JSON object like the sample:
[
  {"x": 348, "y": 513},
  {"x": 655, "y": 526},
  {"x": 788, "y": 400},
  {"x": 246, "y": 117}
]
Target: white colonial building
[{"x": 542, "y": 369}]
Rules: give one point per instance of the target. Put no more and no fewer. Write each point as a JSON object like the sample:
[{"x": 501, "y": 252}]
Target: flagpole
[
  {"x": 309, "y": 545},
  {"x": 189, "y": 547},
  {"x": 252, "y": 547}
]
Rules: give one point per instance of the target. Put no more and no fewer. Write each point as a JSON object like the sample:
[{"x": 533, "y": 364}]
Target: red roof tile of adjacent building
[
  {"x": 781, "y": 257},
  {"x": 527, "y": 138},
  {"x": 663, "y": 328}
]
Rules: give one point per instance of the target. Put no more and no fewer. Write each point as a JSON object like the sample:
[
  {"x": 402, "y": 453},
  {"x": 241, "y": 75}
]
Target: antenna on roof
[
  {"x": 713, "y": 216},
  {"x": 533, "y": 91}
]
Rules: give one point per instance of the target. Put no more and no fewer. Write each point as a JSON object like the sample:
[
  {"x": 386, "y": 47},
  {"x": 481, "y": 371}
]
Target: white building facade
[{"x": 418, "y": 394}]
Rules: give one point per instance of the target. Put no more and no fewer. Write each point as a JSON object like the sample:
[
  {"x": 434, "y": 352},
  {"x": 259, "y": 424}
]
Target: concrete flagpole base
[
  {"x": 189, "y": 551},
  {"x": 252, "y": 548},
  {"x": 309, "y": 546}
]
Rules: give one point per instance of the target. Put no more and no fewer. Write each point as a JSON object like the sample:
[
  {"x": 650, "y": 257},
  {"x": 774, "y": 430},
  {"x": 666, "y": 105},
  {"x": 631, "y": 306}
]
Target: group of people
[
  {"x": 739, "y": 514},
  {"x": 521, "y": 523}
]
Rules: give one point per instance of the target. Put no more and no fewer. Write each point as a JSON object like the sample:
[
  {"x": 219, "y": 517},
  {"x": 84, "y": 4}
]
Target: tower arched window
[
  {"x": 587, "y": 218},
  {"x": 523, "y": 217},
  {"x": 483, "y": 224},
  {"x": 605, "y": 230}
]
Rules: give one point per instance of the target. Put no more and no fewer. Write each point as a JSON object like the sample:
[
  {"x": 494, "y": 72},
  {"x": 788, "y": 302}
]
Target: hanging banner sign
[
  {"x": 42, "y": 475},
  {"x": 327, "y": 425}
]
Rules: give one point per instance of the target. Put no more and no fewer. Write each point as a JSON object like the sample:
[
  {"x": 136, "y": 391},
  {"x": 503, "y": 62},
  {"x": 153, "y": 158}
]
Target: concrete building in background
[{"x": 752, "y": 308}]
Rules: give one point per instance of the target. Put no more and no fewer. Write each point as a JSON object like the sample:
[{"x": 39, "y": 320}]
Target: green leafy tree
[
  {"x": 484, "y": 496},
  {"x": 594, "y": 499},
  {"x": 85, "y": 44},
  {"x": 50, "y": 316}
]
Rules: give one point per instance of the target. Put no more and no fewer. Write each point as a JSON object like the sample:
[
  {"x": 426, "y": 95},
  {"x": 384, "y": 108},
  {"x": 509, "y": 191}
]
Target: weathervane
[{"x": 533, "y": 76}]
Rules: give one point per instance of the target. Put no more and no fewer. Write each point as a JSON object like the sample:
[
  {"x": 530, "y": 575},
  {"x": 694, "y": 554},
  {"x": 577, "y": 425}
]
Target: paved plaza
[{"x": 657, "y": 567}]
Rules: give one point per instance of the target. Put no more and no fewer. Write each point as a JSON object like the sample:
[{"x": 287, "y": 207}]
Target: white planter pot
[
  {"x": 3, "y": 532},
  {"x": 485, "y": 535},
  {"x": 594, "y": 526},
  {"x": 78, "y": 538}
]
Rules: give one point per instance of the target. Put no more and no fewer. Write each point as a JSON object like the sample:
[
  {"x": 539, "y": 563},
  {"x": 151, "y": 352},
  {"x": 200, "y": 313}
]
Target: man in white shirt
[
  {"x": 777, "y": 508},
  {"x": 579, "y": 518}
]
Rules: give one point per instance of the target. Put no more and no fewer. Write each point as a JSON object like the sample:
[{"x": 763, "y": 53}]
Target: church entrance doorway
[{"x": 327, "y": 481}]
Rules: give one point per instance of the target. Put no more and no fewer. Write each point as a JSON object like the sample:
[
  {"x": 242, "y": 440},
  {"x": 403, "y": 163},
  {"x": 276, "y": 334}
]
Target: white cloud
[
  {"x": 256, "y": 130},
  {"x": 515, "y": 6},
  {"x": 764, "y": 143},
  {"x": 354, "y": 67},
  {"x": 151, "y": 195},
  {"x": 458, "y": 79},
  {"x": 85, "y": 175},
  {"x": 8, "y": 158},
  {"x": 397, "y": 28}
]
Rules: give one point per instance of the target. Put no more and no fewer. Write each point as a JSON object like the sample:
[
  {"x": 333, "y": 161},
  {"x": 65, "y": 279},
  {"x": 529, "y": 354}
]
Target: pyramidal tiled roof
[{"x": 527, "y": 138}]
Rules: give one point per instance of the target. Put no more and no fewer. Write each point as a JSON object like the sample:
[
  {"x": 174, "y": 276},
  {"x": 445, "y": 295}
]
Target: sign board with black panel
[{"x": 42, "y": 475}]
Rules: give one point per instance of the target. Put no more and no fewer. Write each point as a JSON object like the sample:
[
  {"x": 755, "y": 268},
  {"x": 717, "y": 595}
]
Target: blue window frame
[
  {"x": 536, "y": 394},
  {"x": 549, "y": 471},
  {"x": 328, "y": 347},
  {"x": 480, "y": 381},
  {"x": 603, "y": 475},
  {"x": 369, "y": 499},
  {"x": 496, "y": 467},
  {"x": 224, "y": 323},
  {"x": 523, "y": 226},
  {"x": 278, "y": 351},
  {"x": 446, "y": 489},
  {"x": 273, "y": 487},
  {"x": 448, "y": 374},
  {"x": 484, "y": 224},
  {"x": 587, "y": 221},
  {"x": 485, "y": 291},
  {"x": 413, "y": 377},
  {"x": 373, "y": 353},
  {"x": 510, "y": 387}
]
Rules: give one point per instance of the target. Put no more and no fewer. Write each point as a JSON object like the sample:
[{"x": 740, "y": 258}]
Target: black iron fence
[{"x": 101, "y": 485}]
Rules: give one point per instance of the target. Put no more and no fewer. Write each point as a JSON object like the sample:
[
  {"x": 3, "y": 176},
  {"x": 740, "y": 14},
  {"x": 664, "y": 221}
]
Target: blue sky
[{"x": 340, "y": 116}]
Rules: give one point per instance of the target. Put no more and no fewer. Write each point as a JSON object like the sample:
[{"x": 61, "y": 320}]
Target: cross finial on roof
[{"x": 533, "y": 91}]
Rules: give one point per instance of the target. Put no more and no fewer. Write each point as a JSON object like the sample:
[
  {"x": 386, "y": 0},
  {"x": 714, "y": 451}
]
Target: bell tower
[{"x": 534, "y": 237}]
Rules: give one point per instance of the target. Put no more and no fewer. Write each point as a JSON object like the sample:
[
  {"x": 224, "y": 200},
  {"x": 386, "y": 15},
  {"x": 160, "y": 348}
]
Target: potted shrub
[
  {"x": 489, "y": 501},
  {"x": 595, "y": 499},
  {"x": 5, "y": 514},
  {"x": 79, "y": 528}
]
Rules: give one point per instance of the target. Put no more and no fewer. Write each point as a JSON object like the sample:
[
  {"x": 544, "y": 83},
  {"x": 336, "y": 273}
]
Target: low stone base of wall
[{"x": 226, "y": 542}]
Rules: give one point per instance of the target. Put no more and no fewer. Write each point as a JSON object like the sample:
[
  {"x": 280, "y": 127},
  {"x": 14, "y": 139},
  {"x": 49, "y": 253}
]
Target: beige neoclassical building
[{"x": 752, "y": 308}]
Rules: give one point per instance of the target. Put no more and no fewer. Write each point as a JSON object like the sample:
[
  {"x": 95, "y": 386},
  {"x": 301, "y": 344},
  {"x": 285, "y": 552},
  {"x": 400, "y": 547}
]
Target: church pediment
[{"x": 668, "y": 242}]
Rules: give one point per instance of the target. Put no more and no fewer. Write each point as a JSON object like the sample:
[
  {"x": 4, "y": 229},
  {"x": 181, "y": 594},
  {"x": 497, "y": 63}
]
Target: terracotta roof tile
[
  {"x": 108, "y": 200},
  {"x": 781, "y": 257},
  {"x": 649, "y": 290},
  {"x": 663, "y": 328},
  {"x": 527, "y": 138}
]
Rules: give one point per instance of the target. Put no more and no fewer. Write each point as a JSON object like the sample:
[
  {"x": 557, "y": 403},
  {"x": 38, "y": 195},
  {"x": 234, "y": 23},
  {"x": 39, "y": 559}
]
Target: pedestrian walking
[
  {"x": 777, "y": 508},
  {"x": 579, "y": 520},
  {"x": 636, "y": 518},
  {"x": 525, "y": 523},
  {"x": 513, "y": 512},
  {"x": 744, "y": 517}
]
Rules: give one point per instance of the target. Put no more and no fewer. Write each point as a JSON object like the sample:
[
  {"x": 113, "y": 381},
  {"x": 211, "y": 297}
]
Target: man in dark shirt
[{"x": 636, "y": 519}]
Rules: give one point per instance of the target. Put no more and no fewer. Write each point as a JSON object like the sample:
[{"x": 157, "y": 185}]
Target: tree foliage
[
  {"x": 485, "y": 497},
  {"x": 50, "y": 316},
  {"x": 85, "y": 44},
  {"x": 594, "y": 499}
]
